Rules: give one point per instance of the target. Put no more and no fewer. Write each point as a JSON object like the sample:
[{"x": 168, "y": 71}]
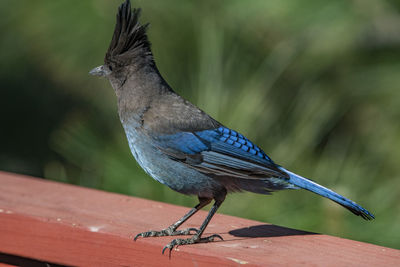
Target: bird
[{"x": 181, "y": 146}]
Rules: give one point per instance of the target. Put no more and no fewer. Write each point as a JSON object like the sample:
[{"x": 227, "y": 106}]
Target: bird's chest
[{"x": 148, "y": 156}]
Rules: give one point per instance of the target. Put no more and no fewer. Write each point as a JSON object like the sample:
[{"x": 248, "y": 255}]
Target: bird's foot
[
  {"x": 193, "y": 240},
  {"x": 167, "y": 232}
]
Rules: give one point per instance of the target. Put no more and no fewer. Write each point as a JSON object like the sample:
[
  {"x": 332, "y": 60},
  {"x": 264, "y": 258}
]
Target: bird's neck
[{"x": 137, "y": 91}]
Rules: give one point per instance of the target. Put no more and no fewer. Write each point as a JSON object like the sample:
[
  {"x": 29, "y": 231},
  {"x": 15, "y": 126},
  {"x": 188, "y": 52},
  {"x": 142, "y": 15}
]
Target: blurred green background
[{"x": 314, "y": 83}]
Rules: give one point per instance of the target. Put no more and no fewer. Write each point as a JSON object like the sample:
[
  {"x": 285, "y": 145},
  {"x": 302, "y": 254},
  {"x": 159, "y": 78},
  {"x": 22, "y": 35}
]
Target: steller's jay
[{"x": 181, "y": 146}]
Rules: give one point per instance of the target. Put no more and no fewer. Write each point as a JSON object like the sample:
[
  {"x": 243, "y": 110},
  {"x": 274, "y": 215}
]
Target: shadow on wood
[
  {"x": 21, "y": 261},
  {"x": 267, "y": 230}
]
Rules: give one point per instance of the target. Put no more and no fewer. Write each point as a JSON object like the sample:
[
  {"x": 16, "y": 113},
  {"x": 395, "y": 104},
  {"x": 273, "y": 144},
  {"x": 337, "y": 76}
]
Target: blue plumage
[
  {"x": 241, "y": 142},
  {"x": 197, "y": 141},
  {"x": 325, "y": 192},
  {"x": 181, "y": 146}
]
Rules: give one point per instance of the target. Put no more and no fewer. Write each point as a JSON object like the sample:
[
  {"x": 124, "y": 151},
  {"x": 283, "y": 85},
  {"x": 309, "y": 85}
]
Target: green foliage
[{"x": 315, "y": 83}]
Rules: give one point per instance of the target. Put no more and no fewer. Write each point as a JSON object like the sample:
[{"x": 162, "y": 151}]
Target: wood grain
[{"x": 71, "y": 225}]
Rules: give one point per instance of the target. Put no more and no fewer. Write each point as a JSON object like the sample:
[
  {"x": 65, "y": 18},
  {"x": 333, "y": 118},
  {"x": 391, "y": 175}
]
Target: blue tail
[{"x": 325, "y": 192}]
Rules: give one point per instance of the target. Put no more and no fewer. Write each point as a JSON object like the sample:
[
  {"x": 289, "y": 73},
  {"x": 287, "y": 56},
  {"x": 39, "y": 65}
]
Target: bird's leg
[
  {"x": 171, "y": 230},
  {"x": 197, "y": 237}
]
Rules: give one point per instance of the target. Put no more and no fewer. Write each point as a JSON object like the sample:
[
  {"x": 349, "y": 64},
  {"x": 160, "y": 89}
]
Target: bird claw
[
  {"x": 188, "y": 241},
  {"x": 186, "y": 231},
  {"x": 167, "y": 232}
]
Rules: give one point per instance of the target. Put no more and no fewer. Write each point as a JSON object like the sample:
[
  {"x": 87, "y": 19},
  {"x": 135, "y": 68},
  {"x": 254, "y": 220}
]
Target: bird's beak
[{"x": 100, "y": 71}]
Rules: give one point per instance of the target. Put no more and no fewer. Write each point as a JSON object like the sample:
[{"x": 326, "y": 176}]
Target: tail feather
[{"x": 325, "y": 192}]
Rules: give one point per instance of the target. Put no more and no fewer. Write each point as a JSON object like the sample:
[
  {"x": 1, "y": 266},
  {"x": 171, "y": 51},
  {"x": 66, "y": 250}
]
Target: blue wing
[{"x": 228, "y": 156}]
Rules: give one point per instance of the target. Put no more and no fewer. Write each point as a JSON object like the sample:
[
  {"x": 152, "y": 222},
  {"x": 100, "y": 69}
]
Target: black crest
[{"x": 129, "y": 40}]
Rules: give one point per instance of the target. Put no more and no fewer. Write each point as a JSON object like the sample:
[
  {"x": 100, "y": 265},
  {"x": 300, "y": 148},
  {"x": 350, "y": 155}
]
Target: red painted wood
[{"x": 71, "y": 225}]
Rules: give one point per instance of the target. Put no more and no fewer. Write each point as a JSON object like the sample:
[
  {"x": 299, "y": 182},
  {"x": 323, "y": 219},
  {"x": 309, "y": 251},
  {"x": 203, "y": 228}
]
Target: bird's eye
[{"x": 110, "y": 68}]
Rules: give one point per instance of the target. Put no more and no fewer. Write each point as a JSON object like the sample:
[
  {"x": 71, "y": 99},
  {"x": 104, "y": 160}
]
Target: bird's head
[{"x": 129, "y": 49}]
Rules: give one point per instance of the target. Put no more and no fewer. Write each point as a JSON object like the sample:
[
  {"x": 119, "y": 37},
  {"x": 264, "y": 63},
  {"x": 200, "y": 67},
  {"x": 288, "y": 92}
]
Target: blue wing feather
[
  {"x": 221, "y": 140},
  {"x": 223, "y": 152},
  {"x": 184, "y": 142},
  {"x": 225, "y": 140}
]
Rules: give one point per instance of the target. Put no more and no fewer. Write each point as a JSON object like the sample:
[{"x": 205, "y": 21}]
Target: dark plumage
[
  {"x": 129, "y": 40},
  {"x": 181, "y": 146}
]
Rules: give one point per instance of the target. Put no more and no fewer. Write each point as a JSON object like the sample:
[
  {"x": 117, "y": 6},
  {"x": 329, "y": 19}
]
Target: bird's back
[{"x": 170, "y": 113}]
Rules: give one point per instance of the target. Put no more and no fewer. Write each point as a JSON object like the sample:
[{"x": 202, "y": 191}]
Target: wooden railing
[{"x": 48, "y": 222}]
